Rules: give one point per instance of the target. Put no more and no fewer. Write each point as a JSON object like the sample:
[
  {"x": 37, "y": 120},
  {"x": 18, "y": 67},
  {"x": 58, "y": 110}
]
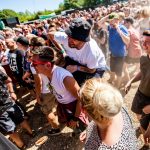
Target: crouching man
[{"x": 63, "y": 86}]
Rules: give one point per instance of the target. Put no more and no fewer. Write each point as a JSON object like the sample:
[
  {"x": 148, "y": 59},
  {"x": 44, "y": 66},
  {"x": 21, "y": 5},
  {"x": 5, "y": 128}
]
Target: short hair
[
  {"x": 37, "y": 41},
  {"x": 146, "y": 32},
  {"x": 100, "y": 99},
  {"x": 46, "y": 54},
  {"x": 129, "y": 20},
  {"x": 145, "y": 11}
]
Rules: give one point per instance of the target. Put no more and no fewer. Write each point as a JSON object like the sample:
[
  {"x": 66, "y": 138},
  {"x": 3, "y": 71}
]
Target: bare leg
[
  {"x": 53, "y": 120},
  {"x": 126, "y": 73},
  {"x": 16, "y": 138},
  {"x": 112, "y": 77},
  {"x": 118, "y": 81},
  {"x": 26, "y": 126}
]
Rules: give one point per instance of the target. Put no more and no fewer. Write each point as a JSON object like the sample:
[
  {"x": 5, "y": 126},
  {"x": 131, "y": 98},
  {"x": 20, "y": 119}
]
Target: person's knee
[{"x": 51, "y": 116}]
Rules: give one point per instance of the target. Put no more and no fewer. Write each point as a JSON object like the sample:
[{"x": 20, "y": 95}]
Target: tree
[{"x": 9, "y": 13}]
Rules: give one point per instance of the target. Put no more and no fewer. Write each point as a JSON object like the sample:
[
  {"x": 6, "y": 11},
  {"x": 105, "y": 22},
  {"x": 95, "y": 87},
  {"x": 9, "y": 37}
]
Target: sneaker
[
  {"x": 54, "y": 131},
  {"x": 145, "y": 147}
]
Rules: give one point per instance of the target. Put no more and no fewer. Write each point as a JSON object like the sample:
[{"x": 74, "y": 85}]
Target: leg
[
  {"x": 16, "y": 138},
  {"x": 112, "y": 77},
  {"x": 53, "y": 120},
  {"x": 26, "y": 126},
  {"x": 126, "y": 73}
]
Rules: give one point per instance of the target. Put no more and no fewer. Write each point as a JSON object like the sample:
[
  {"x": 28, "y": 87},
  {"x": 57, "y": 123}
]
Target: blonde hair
[
  {"x": 100, "y": 99},
  {"x": 145, "y": 12}
]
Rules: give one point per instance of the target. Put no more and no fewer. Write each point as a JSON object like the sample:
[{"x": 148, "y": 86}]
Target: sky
[{"x": 30, "y": 5}]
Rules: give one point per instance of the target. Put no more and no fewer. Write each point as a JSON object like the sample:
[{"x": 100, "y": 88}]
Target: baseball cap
[
  {"x": 113, "y": 16},
  {"x": 79, "y": 29}
]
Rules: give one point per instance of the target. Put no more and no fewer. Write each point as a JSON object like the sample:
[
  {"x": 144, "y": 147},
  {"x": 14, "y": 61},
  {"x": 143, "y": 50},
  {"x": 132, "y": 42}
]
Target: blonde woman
[{"x": 111, "y": 127}]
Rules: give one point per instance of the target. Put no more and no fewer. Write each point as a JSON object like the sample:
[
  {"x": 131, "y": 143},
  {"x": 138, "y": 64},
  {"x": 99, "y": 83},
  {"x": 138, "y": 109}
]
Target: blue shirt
[{"x": 116, "y": 44}]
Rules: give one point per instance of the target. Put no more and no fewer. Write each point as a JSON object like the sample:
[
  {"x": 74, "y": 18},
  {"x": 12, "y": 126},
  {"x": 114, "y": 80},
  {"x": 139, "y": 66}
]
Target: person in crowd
[
  {"x": 142, "y": 95},
  {"x": 63, "y": 86},
  {"x": 11, "y": 115},
  {"x": 45, "y": 98},
  {"x": 118, "y": 39},
  {"x": 134, "y": 50},
  {"x": 85, "y": 57},
  {"x": 144, "y": 22},
  {"x": 23, "y": 45},
  {"x": 15, "y": 58},
  {"x": 104, "y": 105}
]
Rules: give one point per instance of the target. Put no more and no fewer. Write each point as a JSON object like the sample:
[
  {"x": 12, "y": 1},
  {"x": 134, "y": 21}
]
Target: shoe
[
  {"x": 145, "y": 147},
  {"x": 54, "y": 131}
]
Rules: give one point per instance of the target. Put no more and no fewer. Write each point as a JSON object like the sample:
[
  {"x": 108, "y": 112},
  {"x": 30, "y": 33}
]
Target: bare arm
[
  {"x": 125, "y": 38},
  {"x": 136, "y": 78},
  {"x": 73, "y": 68},
  {"x": 72, "y": 86},
  {"x": 38, "y": 86}
]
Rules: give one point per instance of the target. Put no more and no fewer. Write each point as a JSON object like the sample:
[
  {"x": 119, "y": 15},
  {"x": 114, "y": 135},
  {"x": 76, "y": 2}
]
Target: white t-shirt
[
  {"x": 57, "y": 86},
  {"x": 45, "y": 81},
  {"x": 89, "y": 55}
]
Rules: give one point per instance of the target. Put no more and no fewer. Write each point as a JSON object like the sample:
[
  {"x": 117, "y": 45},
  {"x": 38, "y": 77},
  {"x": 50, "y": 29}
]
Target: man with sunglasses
[
  {"x": 85, "y": 58},
  {"x": 63, "y": 86}
]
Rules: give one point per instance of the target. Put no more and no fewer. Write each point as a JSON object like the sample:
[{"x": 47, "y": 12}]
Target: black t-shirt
[
  {"x": 5, "y": 100},
  {"x": 16, "y": 58}
]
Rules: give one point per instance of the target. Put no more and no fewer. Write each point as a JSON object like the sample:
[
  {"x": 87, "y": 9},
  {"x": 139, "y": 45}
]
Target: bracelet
[
  {"x": 11, "y": 92},
  {"x": 62, "y": 51}
]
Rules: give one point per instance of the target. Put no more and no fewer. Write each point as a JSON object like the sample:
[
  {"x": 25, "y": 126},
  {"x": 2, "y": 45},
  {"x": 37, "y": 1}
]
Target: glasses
[{"x": 36, "y": 63}]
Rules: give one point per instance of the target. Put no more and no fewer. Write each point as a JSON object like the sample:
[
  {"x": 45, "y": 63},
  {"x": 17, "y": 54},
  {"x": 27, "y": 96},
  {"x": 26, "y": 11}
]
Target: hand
[
  {"x": 146, "y": 109},
  {"x": 82, "y": 137},
  {"x": 72, "y": 68},
  {"x": 73, "y": 124},
  {"x": 127, "y": 87},
  {"x": 13, "y": 96},
  {"x": 147, "y": 137}
]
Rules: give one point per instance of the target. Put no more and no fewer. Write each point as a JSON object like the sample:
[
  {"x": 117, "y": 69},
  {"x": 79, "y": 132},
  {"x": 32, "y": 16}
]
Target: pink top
[{"x": 134, "y": 48}]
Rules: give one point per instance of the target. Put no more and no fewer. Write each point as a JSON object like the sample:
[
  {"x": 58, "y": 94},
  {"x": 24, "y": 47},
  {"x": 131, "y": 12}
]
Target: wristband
[{"x": 62, "y": 51}]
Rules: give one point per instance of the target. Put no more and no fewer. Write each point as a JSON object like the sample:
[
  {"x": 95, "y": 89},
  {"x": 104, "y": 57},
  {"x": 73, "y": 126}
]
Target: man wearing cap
[
  {"x": 23, "y": 45},
  {"x": 118, "y": 39},
  {"x": 85, "y": 57},
  {"x": 63, "y": 86}
]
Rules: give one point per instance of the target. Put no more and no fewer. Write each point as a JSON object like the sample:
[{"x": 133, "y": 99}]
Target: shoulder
[{"x": 61, "y": 72}]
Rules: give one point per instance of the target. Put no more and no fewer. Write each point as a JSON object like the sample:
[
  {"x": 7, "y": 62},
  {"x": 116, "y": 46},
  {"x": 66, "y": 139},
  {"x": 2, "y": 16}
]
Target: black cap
[
  {"x": 79, "y": 29},
  {"x": 22, "y": 40}
]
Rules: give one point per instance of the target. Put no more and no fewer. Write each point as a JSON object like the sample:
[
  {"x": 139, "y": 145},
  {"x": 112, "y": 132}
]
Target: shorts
[
  {"x": 144, "y": 121},
  {"x": 139, "y": 102},
  {"x": 10, "y": 119},
  {"x": 48, "y": 103},
  {"x": 130, "y": 60},
  {"x": 116, "y": 65}
]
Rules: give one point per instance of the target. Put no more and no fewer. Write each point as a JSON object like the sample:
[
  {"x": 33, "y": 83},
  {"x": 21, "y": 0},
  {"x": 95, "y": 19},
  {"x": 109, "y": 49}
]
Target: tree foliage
[{"x": 67, "y": 4}]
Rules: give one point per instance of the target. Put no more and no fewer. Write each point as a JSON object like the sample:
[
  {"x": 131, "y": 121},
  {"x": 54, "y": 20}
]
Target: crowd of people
[{"x": 62, "y": 62}]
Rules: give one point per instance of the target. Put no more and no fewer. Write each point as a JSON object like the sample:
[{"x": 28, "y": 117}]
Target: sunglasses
[{"x": 36, "y": 63}]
